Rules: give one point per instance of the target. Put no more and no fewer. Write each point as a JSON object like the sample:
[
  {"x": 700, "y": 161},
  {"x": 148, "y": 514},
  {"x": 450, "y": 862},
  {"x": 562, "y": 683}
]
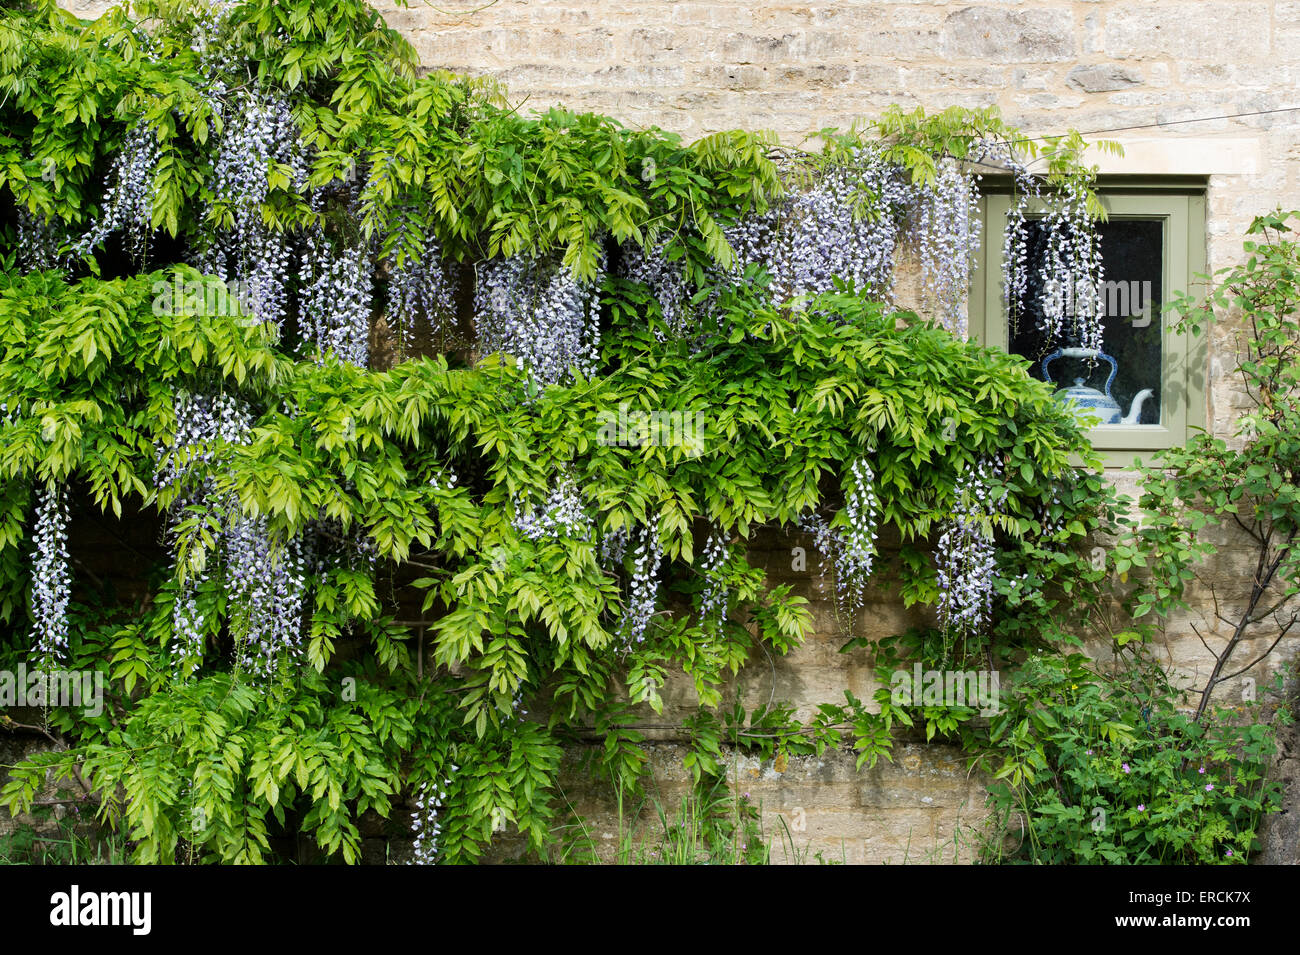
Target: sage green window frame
[{"x": 1183, "y": 408}]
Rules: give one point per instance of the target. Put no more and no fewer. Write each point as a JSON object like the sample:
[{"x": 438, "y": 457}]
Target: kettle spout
[{"x": 1135, "y": 411}]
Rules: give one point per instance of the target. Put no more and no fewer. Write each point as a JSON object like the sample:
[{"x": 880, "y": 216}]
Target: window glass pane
[{"x": 1132, "y": 253}]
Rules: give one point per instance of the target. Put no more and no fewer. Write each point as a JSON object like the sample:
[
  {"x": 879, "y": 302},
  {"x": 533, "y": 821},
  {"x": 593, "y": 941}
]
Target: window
[{"x": 1147, "y": 383}]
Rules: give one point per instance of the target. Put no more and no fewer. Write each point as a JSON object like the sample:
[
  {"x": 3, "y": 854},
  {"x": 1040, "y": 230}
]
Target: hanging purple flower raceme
[
  {"x": 643, "y": 590},
  {"x": 1070, "y": 279},
  {"x": 966, "y": 555},
  {"x": 539, "y": 313},
  {"x": 211, "y": 21},
  {"x": 849, "y": 548},
  {"x": 563, "y": 515},
  {"x": 258, "y": 133},
  {"x": 51, "y": 578},
  {"x": 39, "y": 242},
  {"x": 945, "y": 230},
  {"x": 713, "y": 560},
  {"x": 188, "y": 626},
  {"x": 847, "y": 226},
  {"x": 424, "y": 821},
  {"x": 444, "y": 480},
  {"x": 334, "y": 304},
  {"x": 267, "y": 586},
  {"x": 419, "y": 288},
  {"x": 858, "y": 538},
  {"x": 202, "y": 422},
  {"x": 128, "y": 202},
  {"x": 1071, "y": 302},
  {"x": 1015, "y": 246},
  {"x": 824, "y": 542},
  {"x": 839, "y": 221},
  {"x": 752, "y": 239},
  {"x": 613, "y": 547},
  {"x": 264, "y": 581},
  {"x": 666, "y": 281}
]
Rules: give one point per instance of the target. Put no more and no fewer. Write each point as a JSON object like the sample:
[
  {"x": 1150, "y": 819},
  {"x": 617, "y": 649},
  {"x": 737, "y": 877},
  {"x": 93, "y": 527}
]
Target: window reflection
[{"x": 1132, "y": 253}]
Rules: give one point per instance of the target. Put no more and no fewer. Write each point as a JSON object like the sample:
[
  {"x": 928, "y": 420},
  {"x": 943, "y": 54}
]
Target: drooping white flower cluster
[
  {"x": 1015, "y": 251},
  {"x": 643, "y": 589},
  {"x": 420, "y": 288},
  {"x": 857, "y": 554},
  {"x": 128, "y": 203},
  {"x": 851, "y": 547},
  {"x": 613, "y": 547},
  {"x": 444, "y": 481},
  {"x": 267, "y": 587},
  {"x": 562, "y": 515},
  {"x": 38, "y": 242},
  {"x": 824, "y": 542},
  {"x": 265, "y": 582},
  {"x": 713, "y": 599},
  {"x": 210, "y": 22},
  {"x": 202, "y": 421},
  {"x": 966, "y": 555},
  {"x": 334, "y": 302},
  {"x": 844, "y": 224},
  {"x": 945, "y": 230},
  {"x": 666, "y": 281},
  {"x": 1071, "y": 298},
  {"x": 539, "y": 313},
  {"x": 258, "y": 132},
  {"x": 51, "y": 578},
  {"x": 1069, "y": 282},
  {"x": 189, "y": 624},
  {"x": 424, "y": 821}
]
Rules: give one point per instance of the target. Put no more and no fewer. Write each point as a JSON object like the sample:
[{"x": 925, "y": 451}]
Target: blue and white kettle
[{"x": 1090, "y": 399}]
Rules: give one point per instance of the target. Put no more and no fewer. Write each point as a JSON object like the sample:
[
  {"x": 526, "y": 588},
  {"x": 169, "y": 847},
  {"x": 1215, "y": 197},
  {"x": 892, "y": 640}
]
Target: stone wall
[{"x": 1094, "y": 65}]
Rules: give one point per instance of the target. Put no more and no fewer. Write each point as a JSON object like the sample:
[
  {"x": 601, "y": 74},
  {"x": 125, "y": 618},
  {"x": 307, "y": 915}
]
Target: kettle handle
[{"x": 1081, "y": 353}]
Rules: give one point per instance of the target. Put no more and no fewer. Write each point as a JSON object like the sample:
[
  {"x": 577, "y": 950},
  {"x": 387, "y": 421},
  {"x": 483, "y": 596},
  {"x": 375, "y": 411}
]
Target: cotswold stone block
[
  {"x": 659, "y": 45},
  {"x": 735, "y": 77},
  {"x": 588, "y": 45},
  {"x": 739, "y": 48},
  {"x": 537, "y": 77},
  {"x": 634, "y": 76},
  {"x": 895, "y": 31},
  {"x": 1009, "y": 36},
  {"x": 814, "y": 76},
  {"x": 1102, "y": 79},
  {"x": 954, "y": 78},
  {"x": 1223, "y": 32},
  {"x": 711, "y": 15}
]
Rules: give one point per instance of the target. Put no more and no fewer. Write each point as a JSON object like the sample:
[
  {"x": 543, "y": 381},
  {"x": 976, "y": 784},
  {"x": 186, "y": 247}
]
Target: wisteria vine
[
  {"x": 540, "y": 313},
  {"x": 335, "y": 301},
  {"x": 849, "y": 549},
  {"x": 128, "y": 203},
  {"x": 967, "y": 555},
  {"x": 643, "y": 590},
  {"x": 51, "y": 577}
]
